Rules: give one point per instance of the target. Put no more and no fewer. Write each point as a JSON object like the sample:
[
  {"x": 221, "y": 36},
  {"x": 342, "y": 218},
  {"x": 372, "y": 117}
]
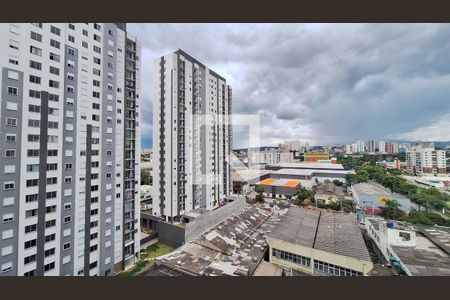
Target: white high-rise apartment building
[
  {"x": 191, "y": 136},
  {"x": 270, "y": 157},
  {"x": 420, "y": 160},
  {"x": 69, "y": 140},
  {"x": 360, "y": 146},
  {"x": 291, "y": 146},
  {"x": 382, "y": 147}
]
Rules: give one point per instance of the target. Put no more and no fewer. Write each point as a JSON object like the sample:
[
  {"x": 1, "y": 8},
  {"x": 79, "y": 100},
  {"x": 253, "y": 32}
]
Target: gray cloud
[{"x": 327, "y": 83}]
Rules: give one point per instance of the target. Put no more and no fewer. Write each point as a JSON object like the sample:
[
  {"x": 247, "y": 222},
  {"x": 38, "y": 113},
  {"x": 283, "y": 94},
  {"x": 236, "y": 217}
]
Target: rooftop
[
  {"x": 308, "y": 172},
  {"x": 426, "y": 259},
  {"x": 337, "y": 233},
  {"x": 234, "y": 247},
  {"x": 330, "y": 189},
  {"x": 267, "y": 269},
  {"x": 248, "y": 174},
  {"x": 307, "y": 165},
  {"x": 369, "y": 189},
  {"x": 286, "y": 182}
]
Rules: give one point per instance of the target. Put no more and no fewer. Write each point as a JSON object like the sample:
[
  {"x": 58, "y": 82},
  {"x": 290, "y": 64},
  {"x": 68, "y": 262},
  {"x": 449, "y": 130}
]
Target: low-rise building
[
  {"x": 314, "y": 157},
  {"x": 328, "y": 192},
  {"x": 235, "y": 247},
  {"x": 314, "y": 242},
  {"x": 413, "y": 251},
  {"x": 270, "y": 156},
  {"x": 370, "y": 199},
  {"x": 282, "y": 180},
  {"x": 242, "y": 179}
]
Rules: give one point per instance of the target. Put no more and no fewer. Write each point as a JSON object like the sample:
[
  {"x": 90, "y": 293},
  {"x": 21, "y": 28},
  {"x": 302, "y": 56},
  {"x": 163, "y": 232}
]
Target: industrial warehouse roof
[
  {"x": 430, "y": 256},
  {"x": 366, "y": 191},
  {"x": 337, "y": 233},
  {"x": 304, "y": 165},
  {"x": 234, "y": 247},
  {"x": 308, "y": 172},
  {"x": 280, "y": 182},
  {"x": 369, "y": 189},
  {"x": 248, "y": 174}
]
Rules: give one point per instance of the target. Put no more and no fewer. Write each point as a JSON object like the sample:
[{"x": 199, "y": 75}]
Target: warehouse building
[
  {"x": 282, "y": 188},
  {"x": 411, "y": 250},
  {"x": 370, "y": 199},
  {"x": 313, "y": 242},
  {"x": 283, "y": 182}
]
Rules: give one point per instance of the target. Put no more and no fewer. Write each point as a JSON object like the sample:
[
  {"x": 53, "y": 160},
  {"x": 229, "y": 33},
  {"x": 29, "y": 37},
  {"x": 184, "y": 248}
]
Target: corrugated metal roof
[{"x": 337, "y": 233}]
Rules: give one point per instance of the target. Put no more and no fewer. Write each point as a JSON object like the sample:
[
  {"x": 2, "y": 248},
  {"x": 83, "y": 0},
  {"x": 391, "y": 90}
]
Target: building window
[
  {"x": 10, "y": 137},
  {"x": 12, "y": 90},
  {"x": 31, "y": 213},
  {"x": 35, "y": 79},
  {"x": 36, "y": 36},
  {"x": 53, "y": 83},
  {"x": 55, "y": 44},
  {"x": 30, "y": 244},
  {"x": 49, "y": 267},
  {"x": 13, "y": 60},
  {"x": 54, "y": 57},
  {"x": 35, "y": 65},
  {"x": 35, "y": 51},
  {"x": 29, "y": 259},
  {"x": 31, "y": 198},
  {"x": 11, "y": 122},
  {"x": 10, "y": 153},
  {"x": 54, "y": 70},
  {"x": 66, "y": 246},
  {"x": 34, "y": 108},
  {"x": 55, "y": 30}
]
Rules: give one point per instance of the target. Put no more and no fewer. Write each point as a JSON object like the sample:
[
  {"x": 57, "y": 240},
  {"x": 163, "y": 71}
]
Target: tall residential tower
[
  {"x": 69, "y": 140},
  {"x": 191, "y": 136}
]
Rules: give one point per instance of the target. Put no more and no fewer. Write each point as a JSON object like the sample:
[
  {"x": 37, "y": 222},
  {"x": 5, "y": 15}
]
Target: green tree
[
  {"x": 259, "y": 194},
  {"x": 391, "y": 209},
  {"x": 350, "y": 179},
  {"x": 337, "y": 182},
  {"x": 301, "y": 195},
  {"x": 146, "y": 179}
]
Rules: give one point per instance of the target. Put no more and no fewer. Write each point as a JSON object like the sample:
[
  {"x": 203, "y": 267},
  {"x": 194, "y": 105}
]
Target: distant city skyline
[{"x": 319, "y": 83}]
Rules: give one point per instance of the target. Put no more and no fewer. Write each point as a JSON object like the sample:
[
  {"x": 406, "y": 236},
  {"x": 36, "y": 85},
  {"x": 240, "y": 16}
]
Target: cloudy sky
[{"x": 320, "y": 83}]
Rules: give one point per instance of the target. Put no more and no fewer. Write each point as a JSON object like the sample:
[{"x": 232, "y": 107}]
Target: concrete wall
[
  {"x": 208, "y": 220},
  {"x": 172, "y": 235}
]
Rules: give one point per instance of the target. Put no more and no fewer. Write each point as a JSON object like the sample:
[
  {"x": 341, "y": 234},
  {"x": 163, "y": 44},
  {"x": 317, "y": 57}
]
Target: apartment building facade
[
  {"x": 422, "y": 161},
  {"x": 192, "y": 137},
  {"x": 69, "y": 140},
  {"x": 270, "y": 157}
]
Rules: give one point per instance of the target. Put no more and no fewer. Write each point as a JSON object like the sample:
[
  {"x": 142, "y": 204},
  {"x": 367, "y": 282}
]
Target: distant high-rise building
[
  {"x": 421, "y": 160},
  {"x": 270, "y": 157},
  {"x": 370, "y": 147},
  {"x": 391, "y": 148},
  {"x": 192, "y": 136},
  {"x": 348, "y": 149},
  {"x": 402, "y": 148},
  {"x": 354, "y": 147},
  {"x": 291, "y": 146},
  {"x": 69, "y": 140},
  {"x": 382, "y": 146},
  {"x": 360, "y": 146}
]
